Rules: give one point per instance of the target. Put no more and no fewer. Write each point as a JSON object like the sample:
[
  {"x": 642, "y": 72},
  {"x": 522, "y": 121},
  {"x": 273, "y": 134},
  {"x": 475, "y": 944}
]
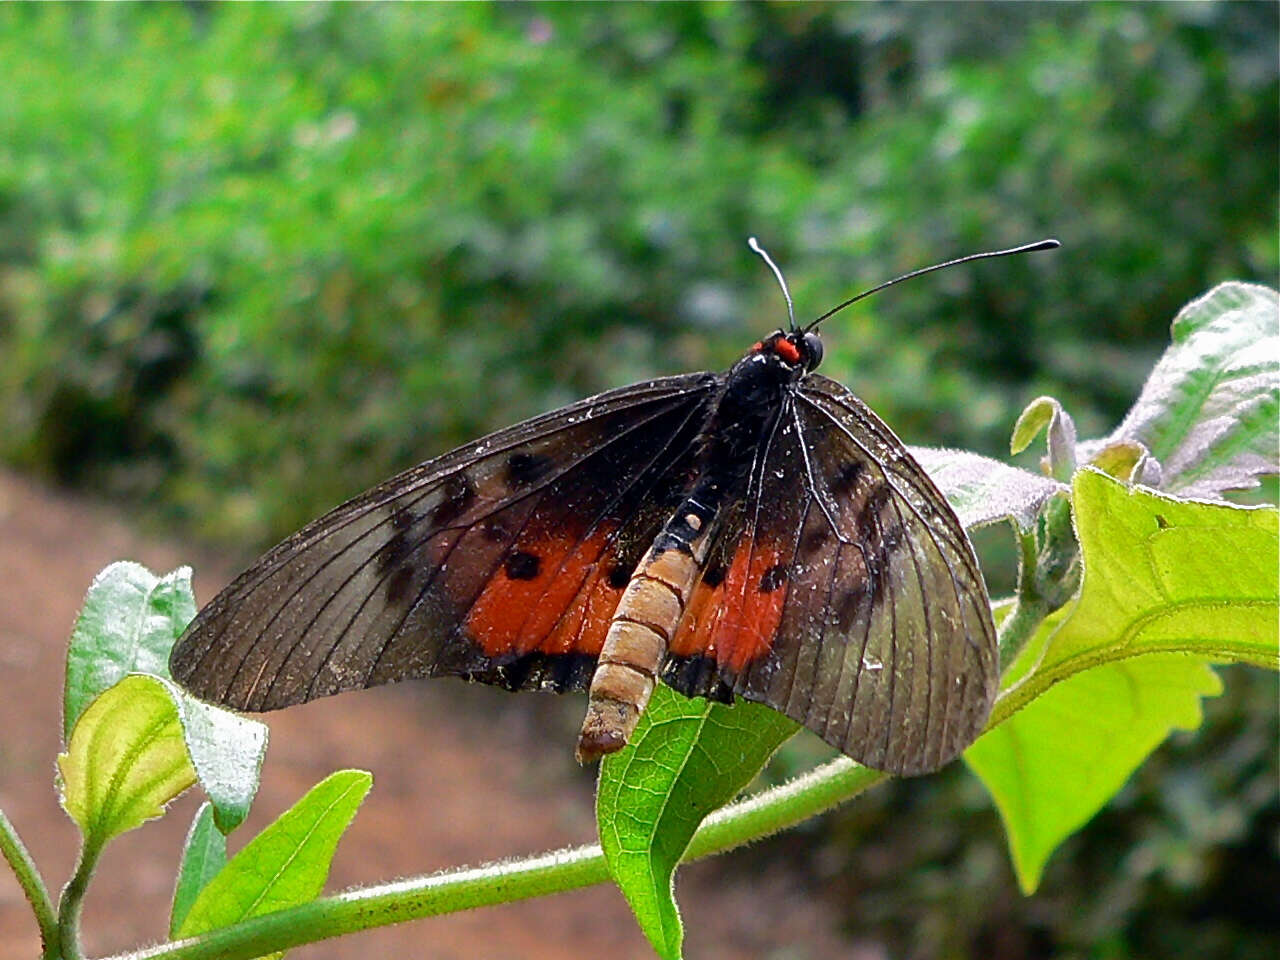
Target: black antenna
[
  {"x": 1025, "y": 248},
  {"x": 751, "y": 242}
]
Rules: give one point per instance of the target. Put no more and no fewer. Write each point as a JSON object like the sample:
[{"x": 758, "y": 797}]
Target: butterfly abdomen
[{"x": 641, "y": 630}]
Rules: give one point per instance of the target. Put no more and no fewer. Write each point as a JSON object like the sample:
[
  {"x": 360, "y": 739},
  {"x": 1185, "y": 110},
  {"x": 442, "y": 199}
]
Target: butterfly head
[{"x": 799, "y": 351}]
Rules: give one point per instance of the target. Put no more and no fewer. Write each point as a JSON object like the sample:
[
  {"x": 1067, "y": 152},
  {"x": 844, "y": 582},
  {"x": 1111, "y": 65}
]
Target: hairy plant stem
[
  {"x": 1029, "y": 608},
  {"x": 71, "y": 903},
  {"x": 32, "y": 884},
  {"x": 464, "y": 889}
]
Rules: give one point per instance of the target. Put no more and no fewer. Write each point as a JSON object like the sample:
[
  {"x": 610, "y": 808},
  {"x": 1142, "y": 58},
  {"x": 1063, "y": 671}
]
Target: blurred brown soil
[{"x": 462, "y": 775}]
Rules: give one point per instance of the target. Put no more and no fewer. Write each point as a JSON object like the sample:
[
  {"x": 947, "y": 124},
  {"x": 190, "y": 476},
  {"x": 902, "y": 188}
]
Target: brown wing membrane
[
  {"x": 885, "y": 646},
  {"x": 500, "y": 561}
]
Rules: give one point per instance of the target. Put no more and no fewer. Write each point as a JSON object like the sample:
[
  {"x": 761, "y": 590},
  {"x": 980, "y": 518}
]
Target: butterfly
[{"x": 757, "y": 533}]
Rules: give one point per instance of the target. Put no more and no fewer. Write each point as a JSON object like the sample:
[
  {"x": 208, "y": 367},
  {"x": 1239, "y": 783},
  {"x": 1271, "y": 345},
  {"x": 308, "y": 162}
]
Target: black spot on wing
[
  {"x": 522, "y": 565},
  {"x": 526, "y": 469},
  {"x": 458, "y": 495},
  {"x": 870, "y": 524},
  {"x": 815, "y": 540},
  {"x": 773, "y": 578},
  {"x": 399, "y": 584},
  {"x": 399, "y": 546},
  {"x": 845, "y": 483},
  {"x": 696, "y": 676},
  {"x": 620, "y": 574},
  {"x": 715, "y": 573}
]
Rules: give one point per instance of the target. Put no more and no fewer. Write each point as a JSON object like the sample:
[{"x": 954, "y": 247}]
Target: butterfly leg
[{"x": 641, "y": 629}]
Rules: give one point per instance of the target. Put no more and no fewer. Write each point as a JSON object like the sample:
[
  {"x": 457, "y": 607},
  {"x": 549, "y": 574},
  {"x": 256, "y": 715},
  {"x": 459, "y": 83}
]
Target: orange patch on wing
[
  {"x": 735, "y": 621},
  {"x": 565, "y": 607}
]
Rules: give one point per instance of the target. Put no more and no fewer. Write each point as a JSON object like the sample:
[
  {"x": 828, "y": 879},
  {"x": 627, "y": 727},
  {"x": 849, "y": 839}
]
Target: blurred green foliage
[{"x": 254, "y": 258}]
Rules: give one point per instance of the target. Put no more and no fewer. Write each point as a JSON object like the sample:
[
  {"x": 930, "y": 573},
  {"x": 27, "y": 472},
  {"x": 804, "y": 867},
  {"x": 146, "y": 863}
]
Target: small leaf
[
  {"x": 125, "y": 760},
  {"x": 1210, "y": 411},
  {"x": 1057, "y": 762},
  {"x": 1061, "y": 439},
  {"x": 227, "y": 751},
  {"x": 287, "y": 863},
  {"x": 1169, "y": 586},
  {"x": 203, "y": 855},
  {"x": 128, "y": 623},
  {"x": 1030, "y": 422},
  {"x": 687, "y": 758},
  {"x": 984, "y": 491},
  {"x": 1130, "y": 462}
]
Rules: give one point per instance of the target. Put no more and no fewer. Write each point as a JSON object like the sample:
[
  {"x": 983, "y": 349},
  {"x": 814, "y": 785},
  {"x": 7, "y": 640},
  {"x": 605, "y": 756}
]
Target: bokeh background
[{"x": 255, "y": 258}]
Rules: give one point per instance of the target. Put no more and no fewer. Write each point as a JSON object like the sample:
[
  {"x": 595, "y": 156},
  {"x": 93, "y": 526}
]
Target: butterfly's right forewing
[{"x": 499, "y": 561}]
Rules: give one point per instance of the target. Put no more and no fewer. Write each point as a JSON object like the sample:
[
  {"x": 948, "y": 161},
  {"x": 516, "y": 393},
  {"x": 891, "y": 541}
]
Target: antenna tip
[
  {"x": 751, "y": 242},
  {"x": 1049, "y": 244}
]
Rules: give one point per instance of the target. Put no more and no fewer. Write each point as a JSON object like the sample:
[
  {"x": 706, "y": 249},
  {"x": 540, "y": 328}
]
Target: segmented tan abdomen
[{"x": 639, "y": 633}]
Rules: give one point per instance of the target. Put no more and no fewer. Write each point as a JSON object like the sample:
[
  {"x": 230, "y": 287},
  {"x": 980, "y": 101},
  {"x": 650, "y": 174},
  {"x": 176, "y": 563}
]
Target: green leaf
[
  {"x": 128, "y": 623},
  {"x": 287, "y": 863},
  {"x": 1210, "y": 411},
  {"x": 125, "y": 760},
  {"x": 203, "y": 855},
  {"x": 1164, "y": 574},
  {"x": 227, "y": 751},
  {"x": 1056, "y": 763},
  {"x": 1169, "y": 586},
  {"x": 687, "y": 758},
  {"x": 984, "y": 491}
]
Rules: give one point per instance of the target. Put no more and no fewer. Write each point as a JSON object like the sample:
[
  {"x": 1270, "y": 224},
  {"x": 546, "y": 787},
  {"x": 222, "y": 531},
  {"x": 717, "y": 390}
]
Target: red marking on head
[
  {"x": 734, "y": 622},
  {"x": 566, "y": 608},
  {"x": 757, "y": 346},
  {"x": 786, "y": 350}
]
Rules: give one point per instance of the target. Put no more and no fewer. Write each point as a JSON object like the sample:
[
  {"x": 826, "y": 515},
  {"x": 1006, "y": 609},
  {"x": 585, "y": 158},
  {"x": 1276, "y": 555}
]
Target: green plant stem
[
  {"x": 32, "y": 884},
  {"x": 1020, "y": 626},
  {"x": 1029, "y": 609},
  {"x": 385, "y": 904},
  {"x": 72, "y": 902}
]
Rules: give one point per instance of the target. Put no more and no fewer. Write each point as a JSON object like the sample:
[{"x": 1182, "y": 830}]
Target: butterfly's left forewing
[
  {"x": 501, "y": 561},
  {"x": 847, "y": 595}
]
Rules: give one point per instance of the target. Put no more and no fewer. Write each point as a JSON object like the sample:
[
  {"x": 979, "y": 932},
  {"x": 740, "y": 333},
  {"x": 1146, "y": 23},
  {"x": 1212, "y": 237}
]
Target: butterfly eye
[{"x": 812, "y": 350}]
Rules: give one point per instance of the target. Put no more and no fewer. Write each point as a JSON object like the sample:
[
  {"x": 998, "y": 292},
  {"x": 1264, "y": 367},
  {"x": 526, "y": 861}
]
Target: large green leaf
[
  {"x": 1210, "y": 411},
  {"x": 129, "y": 621},
  {"x": 287, "y": 863},
  {"x": 1055, "y": 764},
  {"x": 125, "y": 760},
  {"x": 1169, "y": 586},
  {"x": 686, "y": 758},
  {"x": 1164, "y": 574}
]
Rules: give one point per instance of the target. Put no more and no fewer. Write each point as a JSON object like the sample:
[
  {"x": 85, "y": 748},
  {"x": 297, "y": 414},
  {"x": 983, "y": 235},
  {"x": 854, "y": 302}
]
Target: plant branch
[
  {"x": 385, "y": 904},
  {"x": 1029, "y": 608},
  {"x": 32, "y": 884},
  {"x": 72, "y": 901}
]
